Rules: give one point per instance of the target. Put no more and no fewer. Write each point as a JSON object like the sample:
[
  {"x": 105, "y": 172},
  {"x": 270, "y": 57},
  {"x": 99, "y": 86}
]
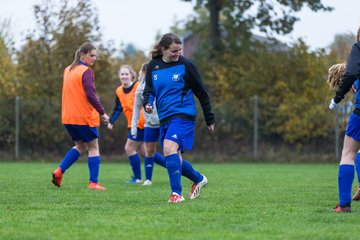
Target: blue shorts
[
  {"x": 151, "y": 134},
  {"x": 353, "y": 127},
  {"x": 180, "y": 131},
  {"x": 82, "y": 132},
  {"x": 139, "y": 136}
]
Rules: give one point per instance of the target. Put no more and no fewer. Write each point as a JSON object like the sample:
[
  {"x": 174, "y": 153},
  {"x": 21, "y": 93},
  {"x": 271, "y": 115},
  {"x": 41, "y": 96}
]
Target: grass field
[{"x": 241, "y": 201}]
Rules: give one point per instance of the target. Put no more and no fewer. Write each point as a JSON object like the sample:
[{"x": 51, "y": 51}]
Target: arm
[
  {"x": 147, "y": 90},
  {"x": 136, "y": 111},
  {"x": 116, "y": 113},
  {"x": 197, "y": 86},
  {"x": 352, "y": 73},
  {"x": 90, "y": 91}
]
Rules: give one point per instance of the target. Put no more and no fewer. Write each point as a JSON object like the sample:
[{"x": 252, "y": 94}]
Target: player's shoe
[
  {"x": 134, "y": 180},
  {"x": 57, "y": 177},
  {"x": 339, "y": 209},
  {"x": 147, "y": 182},
  {"x": 196, "y": 188},
  {"x": 95, "y": 186},
  {"x": 356, "y": 196},
  {"x": 176, "y": 198}
]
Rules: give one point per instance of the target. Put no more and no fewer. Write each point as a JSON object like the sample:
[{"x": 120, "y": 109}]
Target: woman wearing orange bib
[
  {"x": 124, "y": 102},
  {"x": 81, "y": 110}
]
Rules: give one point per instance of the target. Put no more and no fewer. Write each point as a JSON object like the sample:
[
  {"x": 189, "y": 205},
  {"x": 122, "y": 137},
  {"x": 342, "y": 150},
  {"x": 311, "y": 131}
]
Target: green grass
[{"x": 242, "y": 201}]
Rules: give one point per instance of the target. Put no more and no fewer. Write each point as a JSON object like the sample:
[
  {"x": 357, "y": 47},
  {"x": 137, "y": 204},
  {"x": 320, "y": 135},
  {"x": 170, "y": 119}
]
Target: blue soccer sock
[
  {"x": 135, "y": 163},
  {"x": 173, "y": 166},
  {"x": 149, "y": 166},
  {"x": 345, "y": 179},
  {"x": 94, "y": 167},
  {"x": 160, "y": 159},
  {"x": 357, "y": 167},
  {"x": 189, "y": 172},
  {"x": 71, "y": 156}
]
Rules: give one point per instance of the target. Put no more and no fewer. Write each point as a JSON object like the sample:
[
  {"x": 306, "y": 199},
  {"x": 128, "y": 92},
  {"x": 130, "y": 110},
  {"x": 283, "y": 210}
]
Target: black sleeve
[
  {"x": 148, "y": 85},
  {"x": 196, "y": 84},
  {"x": 352, "y": 73}
]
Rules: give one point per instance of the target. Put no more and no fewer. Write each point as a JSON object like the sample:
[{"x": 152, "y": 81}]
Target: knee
[
  {"x": 169, "y": 149},
  {"x": 129, "y": 150},
  {"x": 149, "y": 152}
]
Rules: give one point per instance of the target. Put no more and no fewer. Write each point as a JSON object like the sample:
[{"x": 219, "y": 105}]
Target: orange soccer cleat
[
  {"x": 57, "y": 177},
  {"x": 339, "y": 209},
  {"x": 95, "y": 186}
]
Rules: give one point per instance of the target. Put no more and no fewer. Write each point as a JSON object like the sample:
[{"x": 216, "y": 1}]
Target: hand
[
  {"x": 332, "y": 104},
  {"x": 148, "y": 109},
  {"x": 105, "y": 118},
  {"x": 212, "y": 128},
  {"x": 110, "y": 126},
  {"x": 134, "y": 132}
]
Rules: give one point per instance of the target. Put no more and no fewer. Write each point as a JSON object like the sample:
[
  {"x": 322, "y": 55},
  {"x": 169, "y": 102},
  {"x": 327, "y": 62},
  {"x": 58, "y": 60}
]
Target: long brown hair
[
  {"x": 84, "y": 48},
  {"x": 165, "y": 42},
  {"x": 335, "y": 75}
]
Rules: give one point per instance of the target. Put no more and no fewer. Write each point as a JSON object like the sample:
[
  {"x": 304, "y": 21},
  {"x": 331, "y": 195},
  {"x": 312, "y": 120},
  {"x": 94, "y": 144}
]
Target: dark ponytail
[{"x": 165, "y": 42}]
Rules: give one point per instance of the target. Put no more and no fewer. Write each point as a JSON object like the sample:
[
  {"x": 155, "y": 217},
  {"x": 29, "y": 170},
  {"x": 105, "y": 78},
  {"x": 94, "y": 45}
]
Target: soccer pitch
[{"x": 241, "y": 201}]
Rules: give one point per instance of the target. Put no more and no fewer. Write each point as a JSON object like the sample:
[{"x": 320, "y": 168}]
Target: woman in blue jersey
[
  {"x": 334, "y": 78},
  {"x": 173, "y": 80},
  {"x": 151, "y": 136},
  {"x": 352, "y": 137}
]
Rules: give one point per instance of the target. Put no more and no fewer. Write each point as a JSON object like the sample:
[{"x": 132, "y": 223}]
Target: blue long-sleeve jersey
[{"x": 173, "y": 85}]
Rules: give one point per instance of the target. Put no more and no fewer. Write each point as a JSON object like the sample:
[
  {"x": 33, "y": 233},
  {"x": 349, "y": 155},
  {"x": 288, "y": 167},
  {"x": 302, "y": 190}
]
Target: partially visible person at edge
[
  {"x": 352, "y": 136},
  {"x": 173, "y": 79},
  {"x": 151, "y": 135},
  {"x": 334, "y": 78},
  {"x": 81, "y": 110},
  {"x": 124, "y": 102}
]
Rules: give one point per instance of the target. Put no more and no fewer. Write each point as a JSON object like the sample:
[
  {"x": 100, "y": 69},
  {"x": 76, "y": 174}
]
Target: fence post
[
  {"x": 17, "y": 100},
  {"x": 255, "y": 126}
]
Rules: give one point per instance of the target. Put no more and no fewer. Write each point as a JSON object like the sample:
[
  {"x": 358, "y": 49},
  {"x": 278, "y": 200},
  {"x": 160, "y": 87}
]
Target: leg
[
  {"x": 346, "y": 173},
  {"x": 70, "y": 158},
  {"x": 356, "y": 196},
  {"x": 94, "y": 164},
  {"x": 134, "y": 159},
  {"x": 173, "y": 165},
  {"x": 149, "y": 161}
]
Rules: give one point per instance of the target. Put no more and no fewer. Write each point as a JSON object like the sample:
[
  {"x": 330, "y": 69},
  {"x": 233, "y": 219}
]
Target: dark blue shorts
[
  {"x": 82, "y": 132},
  {"x": 353, "y": 127},
  {"x": 139, "y": 137},
  {"x": 151, "y": 134},
  {"x": 180, "y": 131}
]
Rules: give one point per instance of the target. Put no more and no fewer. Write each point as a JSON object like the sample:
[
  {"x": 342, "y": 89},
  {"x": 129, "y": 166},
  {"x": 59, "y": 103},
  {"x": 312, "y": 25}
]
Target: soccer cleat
[
  {"x": 134, "y": 180},
  {"x": 339, "y": 209},
  {"x": 147, "y": 182},
  {"x": 196, "y": 188},
  {"x": 95, "y": 186},
  {"x": 57, "y": 177},
  {"x": 356, "y": 196},
  {"x": 176, "y": 198}
]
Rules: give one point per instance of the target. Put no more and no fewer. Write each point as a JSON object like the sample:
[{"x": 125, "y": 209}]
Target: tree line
[{"x": 290, "y": 82}]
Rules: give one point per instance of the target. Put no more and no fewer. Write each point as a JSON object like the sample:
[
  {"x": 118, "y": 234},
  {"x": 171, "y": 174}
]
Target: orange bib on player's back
[{"x": 76, "y": 109}]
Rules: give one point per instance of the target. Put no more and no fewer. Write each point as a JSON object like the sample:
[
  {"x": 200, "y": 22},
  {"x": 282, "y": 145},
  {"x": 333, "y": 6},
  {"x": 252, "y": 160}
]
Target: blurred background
[{"x": 268, "y": 87}]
